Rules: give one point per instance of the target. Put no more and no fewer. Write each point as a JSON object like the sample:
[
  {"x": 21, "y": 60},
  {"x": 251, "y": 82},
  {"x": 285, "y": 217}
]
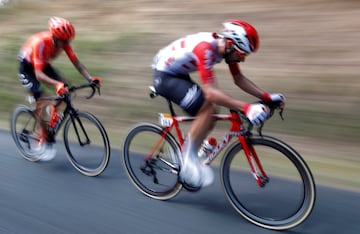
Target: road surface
[{"x": 52, "y": 197}]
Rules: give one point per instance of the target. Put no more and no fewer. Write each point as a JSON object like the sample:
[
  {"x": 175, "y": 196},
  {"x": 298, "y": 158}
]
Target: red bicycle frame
[{"x": 236, "y": 130}]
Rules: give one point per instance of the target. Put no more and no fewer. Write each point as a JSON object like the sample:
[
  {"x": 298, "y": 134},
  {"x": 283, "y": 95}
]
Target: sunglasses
[
  {"x": 236, "y": 50},
  {"x": 239, "y": 52}
]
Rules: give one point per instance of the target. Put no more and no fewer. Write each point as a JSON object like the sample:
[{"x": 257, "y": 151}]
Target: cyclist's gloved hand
[
  {"x": 256, "y": 113},
  {"x": 60, "y": 88},
  {"x": 274, "y": 97},
  {"x": 96, "y": 80}
]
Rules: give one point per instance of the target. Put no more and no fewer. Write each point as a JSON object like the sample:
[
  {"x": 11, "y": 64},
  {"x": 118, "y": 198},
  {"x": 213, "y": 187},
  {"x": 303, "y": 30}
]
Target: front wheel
[
  {"x": 288, "y": 197},
  {"x": 86, "y": 143},
  {"x": 151, "y": 159}
]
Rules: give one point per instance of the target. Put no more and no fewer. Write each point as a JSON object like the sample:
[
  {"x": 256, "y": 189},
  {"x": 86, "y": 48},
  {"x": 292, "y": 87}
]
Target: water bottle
[
  {"x": 55, "y": 119},
  {"x": 207, "y": 147}
]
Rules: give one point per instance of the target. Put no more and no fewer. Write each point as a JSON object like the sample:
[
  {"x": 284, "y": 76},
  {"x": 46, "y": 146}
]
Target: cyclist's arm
[
  {"x": 75, "y": 61},
  {"x": 39, "y": 65},
  {"x": 244, "y": 83},
  {"x": 41, "y": 76},
  {"x": 213, "y": 94}
]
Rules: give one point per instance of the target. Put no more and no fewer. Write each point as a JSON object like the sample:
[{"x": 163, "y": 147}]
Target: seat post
[
  {"x": 171, "y": 108},
  {"x": 154, "y": 94}
]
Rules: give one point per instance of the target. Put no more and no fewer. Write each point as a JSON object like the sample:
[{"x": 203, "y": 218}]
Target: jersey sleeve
[
  {"x": 206, "y": 60},
  {"x": 70, "y": 52}
]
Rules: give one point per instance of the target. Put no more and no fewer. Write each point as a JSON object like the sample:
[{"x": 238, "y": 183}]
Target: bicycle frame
[
  {"x": 68, "y": 111},
  {"x": 236, "y": 130},
  {"x": 157, "y": 175}
]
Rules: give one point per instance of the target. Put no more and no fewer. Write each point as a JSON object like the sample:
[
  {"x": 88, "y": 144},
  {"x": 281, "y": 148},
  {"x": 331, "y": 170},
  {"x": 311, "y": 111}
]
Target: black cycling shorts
[
  {"x": 179, "y": 89},
  {"x": 28, "y": 79}
]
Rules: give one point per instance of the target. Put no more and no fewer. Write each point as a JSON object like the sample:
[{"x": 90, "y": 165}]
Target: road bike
[
  {"x": 85, "y": 138},
  {"x": 265, "y": 180}
]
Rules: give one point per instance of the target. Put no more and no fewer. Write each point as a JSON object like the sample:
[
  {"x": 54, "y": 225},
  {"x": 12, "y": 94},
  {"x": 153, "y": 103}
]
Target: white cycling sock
[
  {"x": 188, "y": 147},
  {"x": 190, "y": 171}
]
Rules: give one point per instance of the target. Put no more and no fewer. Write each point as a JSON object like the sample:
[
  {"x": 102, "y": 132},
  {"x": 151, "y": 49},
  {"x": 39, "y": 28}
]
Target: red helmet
[
  {"x": 243, "y": 35},
  {"x": 61, "y": 28}
]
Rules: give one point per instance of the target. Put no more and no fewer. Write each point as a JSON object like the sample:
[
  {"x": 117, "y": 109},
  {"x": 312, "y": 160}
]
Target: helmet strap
[
  {"x": 229, "y": 50},
  {"x": 227, "y": 54}
]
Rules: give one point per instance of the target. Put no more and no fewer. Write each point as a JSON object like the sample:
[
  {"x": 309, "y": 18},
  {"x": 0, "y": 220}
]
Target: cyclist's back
[
  {"x": 188, "y": 54},
  {"x": 39, "y": 50}
]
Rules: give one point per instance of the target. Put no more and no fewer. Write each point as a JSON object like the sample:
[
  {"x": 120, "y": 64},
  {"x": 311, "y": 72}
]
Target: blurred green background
[{"x": 309, "y": 50}]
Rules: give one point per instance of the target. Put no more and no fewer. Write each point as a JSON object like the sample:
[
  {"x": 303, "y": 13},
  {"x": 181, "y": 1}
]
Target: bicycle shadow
[
  {"x": 212, "y": 200},
  {"x": 61, "y": 164}
]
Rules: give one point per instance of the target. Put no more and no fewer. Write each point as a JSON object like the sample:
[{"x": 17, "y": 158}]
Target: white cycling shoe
[
  {"x": 194, "y": 173},
  {"x": 207, "y": 175},
  {"x": 48, "y": 153}
]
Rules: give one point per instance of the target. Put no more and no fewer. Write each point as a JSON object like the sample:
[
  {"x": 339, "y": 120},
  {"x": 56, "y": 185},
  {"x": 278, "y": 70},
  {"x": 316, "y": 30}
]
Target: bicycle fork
[
  {"x": 257, "y": 169},
  {"x": 80, "y": 130}
]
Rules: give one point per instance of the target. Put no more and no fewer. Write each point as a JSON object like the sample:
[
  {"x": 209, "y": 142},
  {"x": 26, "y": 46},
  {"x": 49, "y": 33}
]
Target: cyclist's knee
[{"x": 208, "y": 107}]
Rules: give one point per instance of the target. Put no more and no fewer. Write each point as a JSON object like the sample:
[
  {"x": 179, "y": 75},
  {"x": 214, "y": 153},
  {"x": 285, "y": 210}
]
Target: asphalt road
[{"x": 52, "y": 197}]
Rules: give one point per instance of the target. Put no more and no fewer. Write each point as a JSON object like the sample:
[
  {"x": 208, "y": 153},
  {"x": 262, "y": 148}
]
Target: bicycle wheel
[
  {"x": 23, "y": 125},
  {"x": 288, "y": 197},
  {"x": 86, "y": 143},
  {"x": 151, "y": 160}
]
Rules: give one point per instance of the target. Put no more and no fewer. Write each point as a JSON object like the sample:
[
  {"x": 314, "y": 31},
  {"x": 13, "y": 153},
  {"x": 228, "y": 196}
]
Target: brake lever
[{"x": 259, "y": 129}]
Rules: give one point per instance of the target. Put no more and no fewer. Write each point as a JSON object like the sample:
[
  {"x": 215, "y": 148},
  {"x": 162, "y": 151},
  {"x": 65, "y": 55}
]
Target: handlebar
[
  {"x": 60, "y": 98},
  {"x": 93, "y": 87},
  {"x": 272, "y": 106}
]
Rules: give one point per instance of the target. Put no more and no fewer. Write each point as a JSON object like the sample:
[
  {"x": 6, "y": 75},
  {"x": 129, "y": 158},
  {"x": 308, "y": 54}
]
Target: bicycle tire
[
  {"x": 81, "y": 130},
  {"x": 154, "y": 178},
  {"x": 270, "y": 206},
  {"x": 23, "y": 125}
]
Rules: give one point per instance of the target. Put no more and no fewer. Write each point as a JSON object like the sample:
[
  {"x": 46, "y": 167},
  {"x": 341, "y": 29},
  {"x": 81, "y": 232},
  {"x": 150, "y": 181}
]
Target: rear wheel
[
  {"x": 152, "y": 161},
  {"x": 23, "y": 126}
]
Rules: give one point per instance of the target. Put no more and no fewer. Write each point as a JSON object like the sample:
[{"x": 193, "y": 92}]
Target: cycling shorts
[
  {"x": 179, "y": 89},
  {"x": 28, "y": 79}
]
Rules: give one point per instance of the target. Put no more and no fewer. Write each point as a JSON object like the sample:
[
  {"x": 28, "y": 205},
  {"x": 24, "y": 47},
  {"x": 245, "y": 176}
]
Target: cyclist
[
  {"x": 200, "y": 52},
  {"x": 35, "y": 57}
]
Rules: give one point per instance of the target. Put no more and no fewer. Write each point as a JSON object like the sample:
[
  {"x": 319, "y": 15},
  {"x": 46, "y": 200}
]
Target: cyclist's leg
[
  {"x": 199, "y": 129},
  {"x": 31, "y": 84},
  {"x": 203, "y": 123},
  {"x": 54, "y": 74},
  {"x": 189, "y": 96}
]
